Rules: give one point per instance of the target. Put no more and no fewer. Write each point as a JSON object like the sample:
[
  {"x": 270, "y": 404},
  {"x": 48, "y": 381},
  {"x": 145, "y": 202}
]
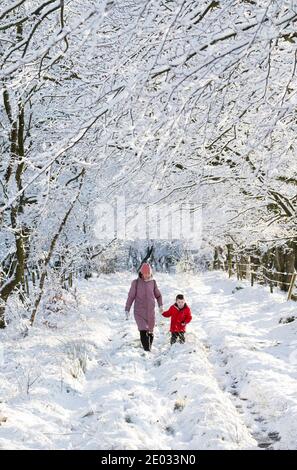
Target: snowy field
[{"x": 79, "y": 379}]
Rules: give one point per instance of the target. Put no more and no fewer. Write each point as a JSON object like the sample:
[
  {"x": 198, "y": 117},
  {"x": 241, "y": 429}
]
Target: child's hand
[{"x": 161, "y": 310}]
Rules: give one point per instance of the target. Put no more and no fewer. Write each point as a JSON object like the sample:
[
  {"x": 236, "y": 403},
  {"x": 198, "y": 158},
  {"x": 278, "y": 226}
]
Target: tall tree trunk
[
  {"x": 16, "y": 164},
  {"x": 50, "y": 253}
]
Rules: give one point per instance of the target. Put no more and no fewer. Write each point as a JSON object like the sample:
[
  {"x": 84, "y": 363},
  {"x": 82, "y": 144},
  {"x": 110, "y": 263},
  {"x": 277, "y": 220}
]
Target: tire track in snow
[
  {"x": 122, "y": 409},
  {"x": 190, "y": 284},
  {"x": 256, "y": 423}
]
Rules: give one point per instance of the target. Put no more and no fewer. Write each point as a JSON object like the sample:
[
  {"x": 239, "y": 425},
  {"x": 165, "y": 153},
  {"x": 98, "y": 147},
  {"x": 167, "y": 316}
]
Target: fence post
[
  {"x": 229, "y": 251},
  {"x": 293, "y": 278},
  {"x": 252, "y": 272},
  {"x": 271, "y": 286},
  {"x": 237, "y": 268}
]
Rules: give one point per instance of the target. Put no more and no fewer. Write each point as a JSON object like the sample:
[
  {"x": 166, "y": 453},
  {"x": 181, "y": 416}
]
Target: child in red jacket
[{"x": 180, "y": 314}]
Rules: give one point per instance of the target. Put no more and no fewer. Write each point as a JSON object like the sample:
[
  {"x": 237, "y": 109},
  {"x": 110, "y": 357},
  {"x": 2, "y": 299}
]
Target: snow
[{"x": 80, "y": 380}]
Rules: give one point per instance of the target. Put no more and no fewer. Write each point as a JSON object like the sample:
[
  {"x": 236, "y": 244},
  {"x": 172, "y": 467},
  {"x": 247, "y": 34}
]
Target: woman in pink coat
[{"x": 144, "y": 292}]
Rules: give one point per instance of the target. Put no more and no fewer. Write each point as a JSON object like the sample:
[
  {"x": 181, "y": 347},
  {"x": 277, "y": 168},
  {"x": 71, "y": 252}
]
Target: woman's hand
[{"x": 161, "y": 310}]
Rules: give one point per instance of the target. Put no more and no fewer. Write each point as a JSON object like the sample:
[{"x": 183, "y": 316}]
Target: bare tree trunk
[
  {"x": 147, "y": 257},
  {"x": 255, "y": 265},
  {"x": 20, "y": 233},
  {"x": 230, "y": 257},
  {"x": 50, "y": 253}
]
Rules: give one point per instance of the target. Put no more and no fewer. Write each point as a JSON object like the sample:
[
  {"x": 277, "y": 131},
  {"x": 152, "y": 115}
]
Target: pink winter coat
[{"x": 144, "y": 293}]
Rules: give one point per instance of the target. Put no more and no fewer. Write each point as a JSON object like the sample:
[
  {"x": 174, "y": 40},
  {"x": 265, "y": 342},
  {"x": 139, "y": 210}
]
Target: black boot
[
  {"x": 146, "y": 339},
  {"x": 180, "y": 336}
]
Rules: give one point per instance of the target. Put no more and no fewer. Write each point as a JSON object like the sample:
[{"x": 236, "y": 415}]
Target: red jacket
[{"x": 179, "y": 317}]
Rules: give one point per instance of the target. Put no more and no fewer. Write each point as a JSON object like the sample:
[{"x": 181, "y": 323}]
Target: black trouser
[
  {"x": 180, "y": 336},
  {"x": 146, "y": 338}
]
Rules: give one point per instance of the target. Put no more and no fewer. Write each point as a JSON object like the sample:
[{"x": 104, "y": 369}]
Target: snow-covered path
[{"x": 231, "y": 386}]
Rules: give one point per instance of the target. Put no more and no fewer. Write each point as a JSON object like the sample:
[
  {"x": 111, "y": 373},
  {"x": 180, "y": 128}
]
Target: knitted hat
[{"x": 146, "y": 269}]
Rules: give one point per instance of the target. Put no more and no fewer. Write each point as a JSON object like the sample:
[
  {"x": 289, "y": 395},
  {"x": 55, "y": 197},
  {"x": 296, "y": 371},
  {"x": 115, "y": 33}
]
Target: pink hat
[{"x": 146, "y": 269}]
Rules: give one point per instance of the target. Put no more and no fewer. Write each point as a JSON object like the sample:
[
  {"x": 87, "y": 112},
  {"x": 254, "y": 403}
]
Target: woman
[{"x": 143, "y": 292}]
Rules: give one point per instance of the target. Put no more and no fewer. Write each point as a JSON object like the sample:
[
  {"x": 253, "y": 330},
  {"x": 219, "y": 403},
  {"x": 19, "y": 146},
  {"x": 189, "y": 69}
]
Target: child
[{"x": 180, "y": 314}]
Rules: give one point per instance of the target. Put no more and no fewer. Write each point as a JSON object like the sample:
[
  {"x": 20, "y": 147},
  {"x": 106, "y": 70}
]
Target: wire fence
[{"x": 259, "y": 272}]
